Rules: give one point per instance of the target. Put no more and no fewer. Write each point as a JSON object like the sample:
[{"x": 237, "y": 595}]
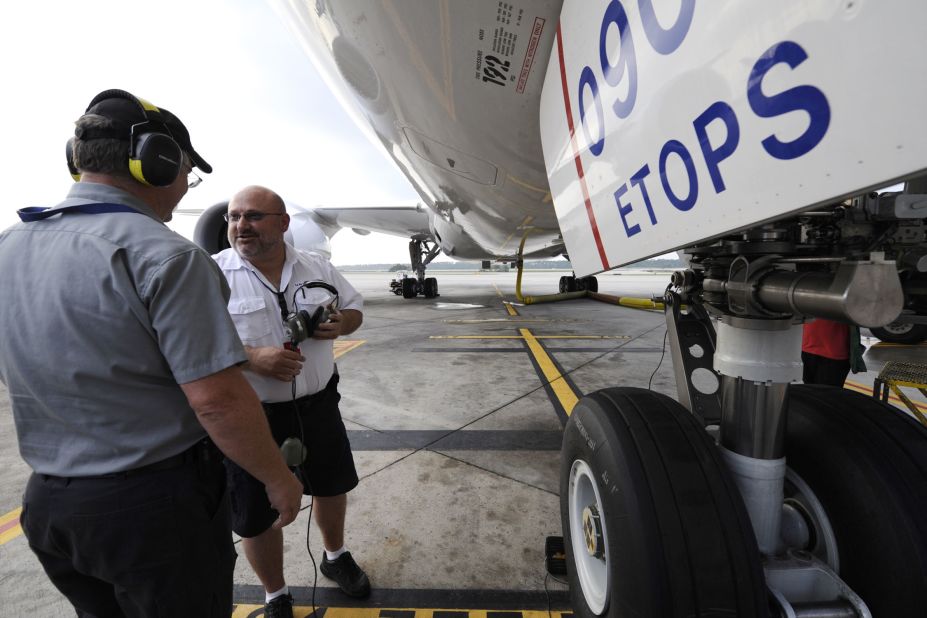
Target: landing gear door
[{"x": 669, "y": 123}]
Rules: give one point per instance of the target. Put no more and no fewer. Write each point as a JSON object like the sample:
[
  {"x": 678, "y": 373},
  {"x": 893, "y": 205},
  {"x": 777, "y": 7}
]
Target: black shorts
[{"x": 329, "y": 467}]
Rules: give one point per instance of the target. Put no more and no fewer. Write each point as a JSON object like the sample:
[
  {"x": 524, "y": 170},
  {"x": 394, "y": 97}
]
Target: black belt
[
  {"x": 299, "y": 402},
  {"x": 204, "y": 450},
  {"x": 287, "y": 406}
]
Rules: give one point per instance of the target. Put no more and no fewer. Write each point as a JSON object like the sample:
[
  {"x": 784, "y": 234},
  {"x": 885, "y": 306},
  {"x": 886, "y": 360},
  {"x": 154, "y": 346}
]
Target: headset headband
[
  {"x": 320, "y": 284},
  {"x": 155, "y": 156}
]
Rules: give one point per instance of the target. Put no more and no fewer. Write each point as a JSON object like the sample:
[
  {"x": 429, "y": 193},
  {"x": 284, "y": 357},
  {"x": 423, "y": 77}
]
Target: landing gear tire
[
  {"x": 568, "y": 284},
  {"x": 652, "y": 522},
  {"x": 901, "y": 332},
  {"x": 865, "y": 463},
  {"x": 409, "y": 286},
  {"x": 430, "y": 287},
  {"x": 590, "y": 284}
]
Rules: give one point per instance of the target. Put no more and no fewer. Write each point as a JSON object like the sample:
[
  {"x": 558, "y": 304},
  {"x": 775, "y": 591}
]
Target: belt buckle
[{"x": 205, "y": 450}]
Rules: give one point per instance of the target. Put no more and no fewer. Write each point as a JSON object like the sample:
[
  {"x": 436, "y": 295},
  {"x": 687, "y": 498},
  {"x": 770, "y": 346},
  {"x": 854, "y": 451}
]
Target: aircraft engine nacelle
[{"x": 211, "y": 232}]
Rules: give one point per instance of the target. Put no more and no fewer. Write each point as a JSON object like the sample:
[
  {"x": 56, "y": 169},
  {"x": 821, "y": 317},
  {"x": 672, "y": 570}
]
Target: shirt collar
[{"x": 236, "y": 262}]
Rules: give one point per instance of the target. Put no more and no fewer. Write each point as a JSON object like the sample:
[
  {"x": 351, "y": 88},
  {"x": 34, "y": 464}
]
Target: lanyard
[
  {"x": 281, "y": 296},
  {"x": 37, "y": 213}
]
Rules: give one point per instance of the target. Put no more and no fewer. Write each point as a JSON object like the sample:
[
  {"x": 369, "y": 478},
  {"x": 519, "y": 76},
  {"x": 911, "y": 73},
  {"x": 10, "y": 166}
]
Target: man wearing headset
[
  {"x": 271, "y": 283},
  {"x": 122, "y": 369}
]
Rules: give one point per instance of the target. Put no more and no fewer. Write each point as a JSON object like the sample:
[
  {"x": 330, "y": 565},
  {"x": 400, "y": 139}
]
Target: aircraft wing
[
  {"x": 311, "y": 228},
  {"x": 411, "y": 222}
]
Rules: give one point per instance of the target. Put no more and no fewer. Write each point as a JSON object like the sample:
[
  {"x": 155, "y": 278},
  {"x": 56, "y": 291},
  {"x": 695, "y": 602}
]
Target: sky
[{"x": 230, "y": 69}]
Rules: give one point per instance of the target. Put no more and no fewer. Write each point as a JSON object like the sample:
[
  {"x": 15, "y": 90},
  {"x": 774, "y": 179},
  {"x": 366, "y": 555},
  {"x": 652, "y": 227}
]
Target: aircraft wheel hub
[{"x": 592, "y": 532}]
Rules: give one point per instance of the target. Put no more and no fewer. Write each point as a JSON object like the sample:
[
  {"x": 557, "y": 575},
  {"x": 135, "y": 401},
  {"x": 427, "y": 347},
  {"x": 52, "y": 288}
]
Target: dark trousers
[
  {"x": 823, "y": 370},
  {"x": 151, "y": 544}
]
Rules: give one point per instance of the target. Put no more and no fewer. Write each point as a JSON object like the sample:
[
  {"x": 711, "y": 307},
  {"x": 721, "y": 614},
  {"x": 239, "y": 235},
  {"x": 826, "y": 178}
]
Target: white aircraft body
[
  {"x": 456, "y": 108},
  {"x": 748, "y": 133}
]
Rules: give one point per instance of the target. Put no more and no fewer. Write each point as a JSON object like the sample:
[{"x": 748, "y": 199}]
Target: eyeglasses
[
  {"x": 193, "y": 180},
  {"x": 250, "y": 217}
]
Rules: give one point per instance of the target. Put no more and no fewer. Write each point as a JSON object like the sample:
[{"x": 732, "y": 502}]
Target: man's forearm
[
  {"x": 230, "y": 412},
  {"x": 351, "y": 320}
]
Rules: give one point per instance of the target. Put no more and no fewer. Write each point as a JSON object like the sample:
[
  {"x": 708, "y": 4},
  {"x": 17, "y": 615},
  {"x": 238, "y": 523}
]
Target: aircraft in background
[
  {"x": 452, "y": 90},
  {"x": 760, "y": 159},
  {"x": 756, "y": 148},
  {"x": 462, "y": 127},
  {"x": 312, "y": 228}
]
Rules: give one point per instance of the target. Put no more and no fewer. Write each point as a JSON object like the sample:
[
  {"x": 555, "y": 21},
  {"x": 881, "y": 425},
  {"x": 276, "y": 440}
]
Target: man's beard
[{"x": 256, "y": 247}]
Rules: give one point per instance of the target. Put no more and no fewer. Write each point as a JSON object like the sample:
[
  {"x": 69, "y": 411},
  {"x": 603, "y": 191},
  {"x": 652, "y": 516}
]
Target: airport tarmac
[{"x": 454, "y": 406}]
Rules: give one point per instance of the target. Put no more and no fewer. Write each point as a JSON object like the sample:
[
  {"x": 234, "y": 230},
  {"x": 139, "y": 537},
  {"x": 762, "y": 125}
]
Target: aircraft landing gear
[
  {"x": 421, "y": 255},
  {"x": 430, "y": 287},
  {"x": 572, "y": 283},
  {"x": 901, "y": 332},
  {"x": 853, "y": 462},
  {"x": 759, "y": 497},
  {"x": 653, "y": 522},
  {"x": 409, "y": 287}
]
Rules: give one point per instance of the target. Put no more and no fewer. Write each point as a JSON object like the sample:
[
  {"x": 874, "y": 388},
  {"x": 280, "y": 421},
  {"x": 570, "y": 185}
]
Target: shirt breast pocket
[{"x": 250, "y": 317}]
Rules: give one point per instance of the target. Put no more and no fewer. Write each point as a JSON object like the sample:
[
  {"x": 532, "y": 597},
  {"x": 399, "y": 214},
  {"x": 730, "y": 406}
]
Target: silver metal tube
[
  {"x": 753, "y": 417},
  {"x": 810, "y": 260},
  {"x": 863, "y": 293},
  {"x": 835, "y": 609},
  {"x": 760, "y": 482}
]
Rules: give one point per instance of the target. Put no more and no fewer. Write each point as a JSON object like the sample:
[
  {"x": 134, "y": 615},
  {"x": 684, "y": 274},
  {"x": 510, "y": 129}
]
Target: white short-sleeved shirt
[{"x": 256, "y": 313}]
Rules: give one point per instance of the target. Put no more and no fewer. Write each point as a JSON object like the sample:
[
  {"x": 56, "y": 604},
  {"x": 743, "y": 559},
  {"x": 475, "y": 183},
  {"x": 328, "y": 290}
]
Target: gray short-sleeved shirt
[{"x": 102, "y": 317}]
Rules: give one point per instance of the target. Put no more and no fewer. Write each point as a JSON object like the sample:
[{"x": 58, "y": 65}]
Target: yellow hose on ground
[
  {"x": 547, "y": 298},
  {"x": 624, "y": 301},
  {"x": 627, "y": 301}
]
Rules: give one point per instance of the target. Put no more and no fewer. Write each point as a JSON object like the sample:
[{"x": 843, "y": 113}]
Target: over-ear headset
[
  {"x": 299, "y": 326},
  {"x": 302, "y": 324},
  {"x": 294, "y": 451},
  {"x": 69, "y": 152},
  {"x": 155, "y": 158}
]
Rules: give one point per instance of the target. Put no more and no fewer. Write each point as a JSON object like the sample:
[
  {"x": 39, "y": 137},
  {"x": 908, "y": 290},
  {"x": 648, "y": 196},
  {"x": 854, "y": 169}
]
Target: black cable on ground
[{"x": 660, "y": 362}]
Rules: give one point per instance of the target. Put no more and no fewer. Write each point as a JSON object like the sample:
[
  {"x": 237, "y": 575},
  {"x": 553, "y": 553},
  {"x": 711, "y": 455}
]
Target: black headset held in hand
[
  {"x": 155, "y": 158},
  {"x": 299, "y": 326},
  {"x": 302, "y": 324}
]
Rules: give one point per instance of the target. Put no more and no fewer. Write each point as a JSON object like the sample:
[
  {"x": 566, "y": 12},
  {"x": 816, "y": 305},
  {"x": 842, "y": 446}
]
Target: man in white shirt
[{"x": 271, "y": 283}]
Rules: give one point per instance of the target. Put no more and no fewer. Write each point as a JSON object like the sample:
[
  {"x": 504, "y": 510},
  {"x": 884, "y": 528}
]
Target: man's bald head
[
  {"x": 257, "y": 221},
  {"x": 257, "y": 196}
]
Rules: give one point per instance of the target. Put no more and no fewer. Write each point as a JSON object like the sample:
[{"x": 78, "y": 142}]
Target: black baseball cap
[{"x": 127, "y": 110}]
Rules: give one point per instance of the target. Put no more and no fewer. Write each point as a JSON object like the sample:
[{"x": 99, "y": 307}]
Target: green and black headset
[{"x": 155, "y": 157}]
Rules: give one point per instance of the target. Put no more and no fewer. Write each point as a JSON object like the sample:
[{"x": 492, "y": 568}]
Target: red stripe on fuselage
[{"x": 576, "y": 158}]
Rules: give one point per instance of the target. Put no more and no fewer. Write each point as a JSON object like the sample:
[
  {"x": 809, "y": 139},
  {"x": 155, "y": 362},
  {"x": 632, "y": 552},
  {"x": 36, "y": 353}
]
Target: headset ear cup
[
  {"x": 156, "y": 159},
  {"x": 69, "y": 153}
]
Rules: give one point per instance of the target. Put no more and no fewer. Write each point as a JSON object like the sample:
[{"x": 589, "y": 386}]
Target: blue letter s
[{"x": 807, "y": 98}]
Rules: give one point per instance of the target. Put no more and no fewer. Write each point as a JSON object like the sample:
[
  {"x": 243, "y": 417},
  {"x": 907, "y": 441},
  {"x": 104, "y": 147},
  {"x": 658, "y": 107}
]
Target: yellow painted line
[
  {"x": 867, "y": 390},
  {"x": 9, "y": 526},
  {"x": 565, "y": 394},
  {"x": 883, "y": 344},
  {"x": 342, "y": 347},
  {"x": 508, "y": 320},
  {"x": 302, "y": 611},
  {"x": 508, "y": 306},
  {"x": 597, "y": 337},
  {"x": 357, "y": 612}
]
